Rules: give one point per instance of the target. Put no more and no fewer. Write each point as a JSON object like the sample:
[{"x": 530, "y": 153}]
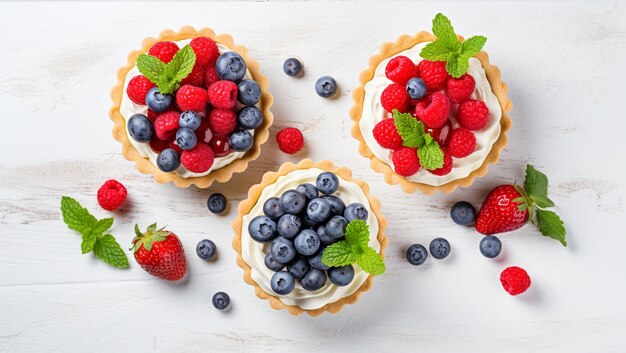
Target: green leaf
[
  {"x": 471, "y": 46},
  {"x": 371, "y": 262},
  {"x": 151, "y": 67},
  {"x": 442, "y": 28},
  {"x": 536, "y": 183},
  {"x": 430, "y": 156},
  {"x": 89, "y": 239},
  {"x": 75, "y": 216},
  {"x": 107, "y": 249},
  {"x": 182, "y": 64},
  {"x": 103, "y": 225},
  {"x": 339, "y": 254},
  {"x": 457, "y": 64},
  {"x": 541, "y": 201},
  {"x": 358, "y": 233},
  {"x": 435, "y": 51},
  {"x": 410, "y": 129},
  {"x": 551, "y": 225}
]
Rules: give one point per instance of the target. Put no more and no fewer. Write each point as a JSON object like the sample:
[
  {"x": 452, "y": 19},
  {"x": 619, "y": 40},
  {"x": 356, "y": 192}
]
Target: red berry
[
  {"x": 191, "y": 98},
  {"x": 499, "y": 213},
  {"x": 204, "y": 133},
  {"x": 405, "y": 161},
  {"x": 166, "y": 124},
  {"x": 460, "y": 89},
  {"x": 195, "y": 77},
  {"x": 442, "y": 135},
  {"x": 387, "y": 135},
  {"x": 206, "y": 50},
  {"x": 462, "y": 143},
  {"x": 290, "y": 140},
  {"x": 166, "y": 257},
  {"x": 400, "y": 69},
  {"x": 447, "y": 164},
  {"x": 433, "y": 111},
  {"x": 172, "y": 144},
  {"x": 111, "y": 195},
  {"x": 165, "y": 51},
  {"x": 394, "y": 97},
  {"x": 137, "y": 89},
  {"x": 223, "y": 94},
  {"x": 222, "y": 121},
  {"x": 152, "y": 115},
  {"x": 158, "y": 145},
  {"x": 515, "y": 280},
  {"x": 210, "y": 76},
  {"x": 198, "y": 159},
  {"x": 433, "y": 73},
  {"x": 473, "y": 114},
  {"x": 220, "y": 146}
]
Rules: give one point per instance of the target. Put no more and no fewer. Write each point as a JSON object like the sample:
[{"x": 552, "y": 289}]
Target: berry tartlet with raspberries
[
  {"x": 310, "y": 238},
  {"x": 431, "y": 112},
  {"x": 191, "y": 108}
]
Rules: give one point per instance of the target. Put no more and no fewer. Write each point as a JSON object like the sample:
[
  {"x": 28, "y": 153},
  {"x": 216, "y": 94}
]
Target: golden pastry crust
[
  {"x": 253, "y": 197},
  {"x": 498, "y": 87},
  {"x": 221, "y": 175}
]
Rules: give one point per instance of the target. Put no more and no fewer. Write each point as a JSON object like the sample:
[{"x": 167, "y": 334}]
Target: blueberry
[
  {"x": 308, "y": 190},
  {"x": 316, "y": 260},
  {"x": 313, "y": 280},
  {"x": 249, "y": 92},
  {"x": 327, "y": 183},
  {"x": 230, "y": 66},
  {"x": 463, "y": 213},
  {"x": 158, "y": 102},
  {"x": 241, "y": 140},
  {"x": 416, "y": 254},
  {"x": 336, "y": 227},
  {"x": 289, "y": 226},
  {"x": 439, "y": 248},
  {"x": 416, "y": 88},
  {"x": 490, "y": 246},
  {"x": 262, "y": 229},
  {"x": 292, "y": 67},
  {"x": 325, "y": 238},
  {"x": 307, "y": 222},
  {"x": 355, "y": 211},
  {"x": 341, "y": 276},
  {"x": 216, "y": 203},
  {"x": 249, "y": 118},
  {"x": 318, "y": 210},
  {"x": 190, "y": 120},
  {"x": 140, "y": 128},
  {"x": 282, "y": 250},
  {"x": 299, "y": 267},
  {"x": 205, "y": 249},
  {"x": 337, "y": 206},
  {"x": 282, "y": 282},
  {"x": 272, "y": 209},
  {"x": 326, "y": 86},
  {"x": 168, "y": 160},
  {"x": 221, "y": 300},
  {"x": 272, "y": 264},
  {"x": 292, "y": 202},
  {"x": 307, "y": 242},
  {"x": 186, "y": 139}
]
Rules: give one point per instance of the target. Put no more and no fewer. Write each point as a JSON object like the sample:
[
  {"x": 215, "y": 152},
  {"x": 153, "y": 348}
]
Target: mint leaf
[
  {"x": 89, "y": 239},
  {"x": 536, "y": 183},
  {"x": 151, "y": 67},
  {"x": 167, "y": 76},
  {"x": 358, "y": 233},
  {"x": 430, "y": 155},
  {"x": 442, "y": 28},
  {"x": 471, "y": 46},
  {"x": 435, "y": 51},
  {"x": 371, "y": 262},
  {"x": 339, "y": 254},
  {"x": 551, "y": 225},
  {"x": 410, "y": 129},
  {"x": 541, "y": 201},
  {"x": 76, "y": 216},
  {"x": 457, "y": 64},
  {"x": 181, "y": 65},
  {"x": 107, "y": 249},
  {"x": 103, "y": 225}
]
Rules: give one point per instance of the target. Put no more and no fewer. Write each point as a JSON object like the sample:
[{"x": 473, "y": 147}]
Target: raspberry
[
  {"x": 515, "y": 280},
  {"x": 210, "y": 76},
  {"x": 460, "y": 89},
  {"x": 166, "y": 124},
  {"x": 111, "y": 195},
  {"x": 191, "y": 98},
  {"x": 290, "y": 140},
  {"x": 386, "y": 134},
  {"x": 172, "y": 144},
  {"x": 400, "y": 69},
  {"x": 405, "y": 161},
  {"x": 447, "y": 164},
  {"x": 433, "y": 73},
  {"x": 206, "y": 50},
  {"x": 158, "y": 145},
  {"x": 165, "y": 51},
  {"x": 433, "y": 111},
  {"x": 137, "y": 89},
  {"x": 195, "y": 77},
  {"x": 394, "y": 97},
  {"x": 223, "y": 94},
  {"x": 222, "y": 121},
  {"x": 462, "y": 142},
  {"x": 442, "y": 135},
  {"x": 152, "y": 115},
  {"x": 198, "y": 159},
  {"x": 473, "y": 114}
]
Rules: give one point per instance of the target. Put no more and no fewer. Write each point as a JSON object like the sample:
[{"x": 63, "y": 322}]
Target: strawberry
[{"x": 160, "y": 253}]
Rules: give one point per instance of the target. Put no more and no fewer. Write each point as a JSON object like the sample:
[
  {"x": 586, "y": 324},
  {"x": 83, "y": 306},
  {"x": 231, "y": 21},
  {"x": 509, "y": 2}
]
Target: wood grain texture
[{"x": 563, "y": 63}]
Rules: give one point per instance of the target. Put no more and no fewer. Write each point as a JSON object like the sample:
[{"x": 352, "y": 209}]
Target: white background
[{"x": 563, "y": 62}]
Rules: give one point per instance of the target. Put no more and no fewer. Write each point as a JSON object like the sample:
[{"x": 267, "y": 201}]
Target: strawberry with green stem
[{"x": 160, "y": 253}]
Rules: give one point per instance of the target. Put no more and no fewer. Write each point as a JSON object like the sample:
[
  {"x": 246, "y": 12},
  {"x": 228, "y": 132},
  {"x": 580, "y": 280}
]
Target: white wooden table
[{"x": 564, "y": 64}]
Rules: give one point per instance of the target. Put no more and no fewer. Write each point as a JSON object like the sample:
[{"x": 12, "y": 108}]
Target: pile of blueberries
[{"x": 298, "y": 226}]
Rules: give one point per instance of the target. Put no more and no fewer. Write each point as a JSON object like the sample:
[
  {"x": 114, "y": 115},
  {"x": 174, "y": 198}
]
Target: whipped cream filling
[
  {"x": 373, "y": 113},
  {"x": 253, "y": 252},
  {"x": 128, "y": 108}
]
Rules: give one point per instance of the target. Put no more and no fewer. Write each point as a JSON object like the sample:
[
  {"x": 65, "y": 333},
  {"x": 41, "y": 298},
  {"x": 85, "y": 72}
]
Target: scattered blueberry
[
  {"x": 463, "y": 213},
  {"x": 216, "y": 203},
  {"x": 262, "y": 229},
  {"x": 355, "y": 211},
  {"x": 337, "y": 206},
  {"x": 416, "y": 254},
  {"x": 326, "y": 86},
  {"x": 205, "y": 249},
  {"x": 292, "y": 67},
  {"x": 341, "y": 276},
  {"x": 272, "y": 264},
  {"x": 249, "y": 118},
  {"x": 168, "y": 160},
  {"x": 416, "y": 88},
  {"x": 316, "y": 260},
  {"x": 318, "y": 210},
  {"x": 490, "y": 246},
  {"x": 140, "y": 128},
  {"x": 298, "y": 267},
  {"x": 230, "y": 66},
  {"x": 336, "y": 227},
  {"x": 186, "y": 139},
  {"x": 439, "y": 248},
  {"x": 308, "y": 190},
  {"x": 325, "y": 238},
  {"x": 190, "y": 120},
  {"x": 289, "y": 226},
  {"x": 221, "y": 300},
  {"x": 282, "y": 250},
  {"x": 249, "y": 92},
  {"x": 272, "y": 209},
  {"x": 292, "y": 202},
  {"x": 314, "y": 280},
  {"x": 158, "y": 102},
  {"x": 307, "y": 242},
  {"x": 241, "y": 140},
  {"x": 282, "y": 282},
  {"x": 327, "y": 183}
]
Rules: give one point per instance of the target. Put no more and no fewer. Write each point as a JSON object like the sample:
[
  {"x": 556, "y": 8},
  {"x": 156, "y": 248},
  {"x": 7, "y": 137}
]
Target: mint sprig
[
  {"x": 448, "y": 48},
  {"x": 92, "y": 230},
  {"x": 168, "y": 76},
  {"x": 355, "y": 249},
  {"x": 414, "y": 135}
]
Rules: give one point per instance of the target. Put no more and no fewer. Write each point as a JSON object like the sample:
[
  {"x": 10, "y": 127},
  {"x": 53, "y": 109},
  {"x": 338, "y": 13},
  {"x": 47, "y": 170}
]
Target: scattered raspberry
[
  {"x": 111, "y": 195},
  {"x": 400, "y": 69},
  {"x": 195, "y": 77},
  {"x": 433, "y": 73},
  {"x": 137, "y": 89},
  {"x": 223, "y": 94},
  {"x": 210, "y": 76},
  {"x": 158, "y": 145},
  {"x": 222, "y": 121},
  {"x": 460, "y": 89},
  {"x": 433, "y": 110},
  {"x": 386, "y": 134},
  {"x": 191, "y": 98},
  {"x": 515, "y": 280},
  {"x": 152, "y": 115},
  {"x": 290, "y": 140},
  {"x": 447, "y": 164},
  {"x": 166, "y": 124},
  {"x": 442, "y": 135},
  {"x": 462, "y": 142},
  {"x": 473, "y": 114},
  {"x": 394, "y": 97},
  {"x": 198, "y": 159},
  {"x": 165, "y": 51},
  {"x": 405, "y": 161},
  {"x": 206, "y": 50}
]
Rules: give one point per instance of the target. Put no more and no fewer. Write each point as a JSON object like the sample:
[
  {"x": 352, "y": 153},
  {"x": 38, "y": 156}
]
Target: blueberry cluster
[
  {"x": 463, "y": 213},
  {"x": 298, "y": 226}
]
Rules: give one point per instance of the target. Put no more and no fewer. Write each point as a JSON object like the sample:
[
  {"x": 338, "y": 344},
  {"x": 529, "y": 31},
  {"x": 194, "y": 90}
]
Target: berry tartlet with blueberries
[
  {"x": 191, "y": 107},
  {"x": 431, "y": 112},
  {"x": 310, "y": 238}
]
